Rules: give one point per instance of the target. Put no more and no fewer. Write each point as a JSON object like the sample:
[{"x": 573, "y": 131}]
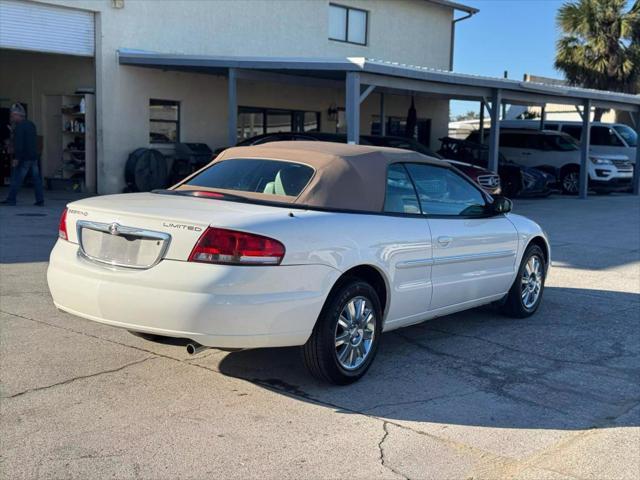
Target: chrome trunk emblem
[{"x": 114, "y": 229}]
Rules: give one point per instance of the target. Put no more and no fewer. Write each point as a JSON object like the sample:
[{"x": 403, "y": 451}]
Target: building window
[
  {"x": 254, "y": 121},
  {"x": 348, "y": 24},
  {"x": 164, "y": 121}
]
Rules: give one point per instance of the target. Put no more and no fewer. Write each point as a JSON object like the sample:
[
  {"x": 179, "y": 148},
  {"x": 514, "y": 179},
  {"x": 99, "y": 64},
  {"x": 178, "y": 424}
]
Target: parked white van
[
  {"x": 558, "y": 153},
  {"x": 607, "y": 138}
]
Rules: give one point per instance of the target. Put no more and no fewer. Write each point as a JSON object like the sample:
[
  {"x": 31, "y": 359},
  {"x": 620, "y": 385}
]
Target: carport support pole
[
  {"x": 481, "y": 125},
  {"x": 383, "y": 119},
  {"x": 584, "y": 149},
  {"x": 636, "y": 168},
  {"x": 353, "y": 107},
  {"x": 232, "y": 113},
  {"x": 494, "y": 134}
]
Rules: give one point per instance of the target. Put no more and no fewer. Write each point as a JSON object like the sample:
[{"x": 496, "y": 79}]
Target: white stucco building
[{"x": 52, "y": 48}]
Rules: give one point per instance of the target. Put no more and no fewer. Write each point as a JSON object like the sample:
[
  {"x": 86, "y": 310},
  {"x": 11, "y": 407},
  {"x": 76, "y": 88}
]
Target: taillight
[
  {"x": 62, "y": 226},
  {"x": 218, "y": 245}
]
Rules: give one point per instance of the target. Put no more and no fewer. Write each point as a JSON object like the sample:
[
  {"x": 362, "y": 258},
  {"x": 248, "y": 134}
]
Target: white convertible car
[{"x": 316, "y": 244}]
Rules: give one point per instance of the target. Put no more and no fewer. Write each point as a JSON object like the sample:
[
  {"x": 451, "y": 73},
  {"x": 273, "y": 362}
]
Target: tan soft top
[{"x": 347, "y": 177}]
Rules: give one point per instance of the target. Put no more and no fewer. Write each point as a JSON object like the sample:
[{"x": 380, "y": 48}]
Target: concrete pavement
[{"x": 472, "y": 395}]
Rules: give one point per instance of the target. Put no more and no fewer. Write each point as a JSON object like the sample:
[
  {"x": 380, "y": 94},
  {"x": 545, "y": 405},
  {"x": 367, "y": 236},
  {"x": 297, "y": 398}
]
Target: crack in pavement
[
  {"x": 383, "y": 461},
  {"x": 424, "y": 400},
  {"x": 79, "y": 377},
  {"x": 297, "y": 393}
]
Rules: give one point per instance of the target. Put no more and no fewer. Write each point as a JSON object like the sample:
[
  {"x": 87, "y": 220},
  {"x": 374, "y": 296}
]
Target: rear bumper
[{"x": 214, "y": 305}]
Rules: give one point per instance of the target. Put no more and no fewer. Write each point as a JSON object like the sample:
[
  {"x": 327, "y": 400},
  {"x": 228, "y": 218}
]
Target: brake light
[
  {"x": 218, "y": 245},
  {"x": 62, "y": 226},
  {"x": 205, "y": 194}
]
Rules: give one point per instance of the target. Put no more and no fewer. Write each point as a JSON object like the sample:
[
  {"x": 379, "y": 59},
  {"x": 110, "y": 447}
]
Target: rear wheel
[
  {"x": 526, "y": 292},
  {"x": 570, "y": 181},
  {"x": 345, "y": 339}
]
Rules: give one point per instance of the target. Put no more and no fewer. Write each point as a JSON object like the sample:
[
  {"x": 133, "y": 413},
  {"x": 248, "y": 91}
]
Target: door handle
[
  {"x": 526, "y": 153},
  {"x": 445, "y": 241}
]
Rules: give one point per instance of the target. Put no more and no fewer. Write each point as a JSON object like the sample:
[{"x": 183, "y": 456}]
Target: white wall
[{"x": 405, "y": 31}]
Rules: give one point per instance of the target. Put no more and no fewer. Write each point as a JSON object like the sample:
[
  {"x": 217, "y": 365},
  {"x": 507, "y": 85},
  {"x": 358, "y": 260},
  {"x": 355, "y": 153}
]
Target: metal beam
[
  {"x": 494, "y": 135},
  {"x": 272, "y": 77},
  {"x": 584, "y": 149},
  {"x": 352, "y": 104},
  {"x": 383, "y": 117},
  {"x": 453, "y": 91},
  {"x": 636, "y": 167},
  {"x": 487, "y": 105},
  {"x": 367, "y": 91},
  {"x": 232, "y": 112},
  {"x": 481, "y": 126},
  {"x": 543, "y": 116},
  {"x": 579, "y": 112}
]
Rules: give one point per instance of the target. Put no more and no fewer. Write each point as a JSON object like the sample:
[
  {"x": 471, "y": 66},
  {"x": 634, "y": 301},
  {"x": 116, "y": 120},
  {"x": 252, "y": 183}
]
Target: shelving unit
[{"x": 71, "y": 158}]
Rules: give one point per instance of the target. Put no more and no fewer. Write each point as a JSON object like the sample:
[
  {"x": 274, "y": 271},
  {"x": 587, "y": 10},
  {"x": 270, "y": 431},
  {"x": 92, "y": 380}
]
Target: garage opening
[{"x": 47, "y": 53}]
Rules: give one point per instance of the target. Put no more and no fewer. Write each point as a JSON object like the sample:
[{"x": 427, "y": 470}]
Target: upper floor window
[
  {"x": 348, "y": 24},
  {"x": 164, "y": 121}
]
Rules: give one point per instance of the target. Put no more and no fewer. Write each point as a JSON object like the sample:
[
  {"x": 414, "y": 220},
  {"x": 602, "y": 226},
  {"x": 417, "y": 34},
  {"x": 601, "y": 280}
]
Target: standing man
[{"x": 25, "y": 155}]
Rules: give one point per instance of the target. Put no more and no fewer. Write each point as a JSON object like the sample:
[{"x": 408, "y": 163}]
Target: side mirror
[{"x": 501, "y": 204}]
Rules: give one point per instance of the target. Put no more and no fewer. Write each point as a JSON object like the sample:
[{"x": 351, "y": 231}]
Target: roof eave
[{"x": 456, "y": 6}]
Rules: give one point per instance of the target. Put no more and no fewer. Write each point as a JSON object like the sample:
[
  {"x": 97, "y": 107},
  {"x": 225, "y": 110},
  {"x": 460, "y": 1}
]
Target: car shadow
[{"x": 573, "y": 365}]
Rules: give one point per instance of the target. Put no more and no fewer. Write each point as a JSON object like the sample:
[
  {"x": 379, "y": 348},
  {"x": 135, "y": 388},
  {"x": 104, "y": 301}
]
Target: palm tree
[{"x": 600, "y": 45}]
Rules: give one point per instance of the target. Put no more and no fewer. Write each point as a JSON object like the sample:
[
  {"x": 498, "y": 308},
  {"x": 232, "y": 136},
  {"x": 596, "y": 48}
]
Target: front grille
[
  {"x": 623, "y": 165},
  {"x": 489, "y": 181},
  {"x": 120, "y": 246}
]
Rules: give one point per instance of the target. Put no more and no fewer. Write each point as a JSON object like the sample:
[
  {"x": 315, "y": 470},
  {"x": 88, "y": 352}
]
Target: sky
[{"x": 514, "y": 35}]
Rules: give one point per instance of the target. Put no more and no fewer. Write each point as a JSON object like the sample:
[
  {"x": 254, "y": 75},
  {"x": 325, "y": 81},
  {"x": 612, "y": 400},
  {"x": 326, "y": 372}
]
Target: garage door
[{"x": 46, "y": 28}]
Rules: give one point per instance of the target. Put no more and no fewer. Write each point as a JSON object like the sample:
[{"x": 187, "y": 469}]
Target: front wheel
[
  {"x": 525, "y": 294},
  {"x": 345, "y": 339},
  {"x": 570, "y": 181}
]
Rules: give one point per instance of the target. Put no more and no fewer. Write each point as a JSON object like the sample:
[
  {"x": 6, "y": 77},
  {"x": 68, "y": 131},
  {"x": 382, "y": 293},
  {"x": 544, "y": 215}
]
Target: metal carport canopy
[
  {"x": 388, "y": 74},
  {"x": 353, "y": 72}
]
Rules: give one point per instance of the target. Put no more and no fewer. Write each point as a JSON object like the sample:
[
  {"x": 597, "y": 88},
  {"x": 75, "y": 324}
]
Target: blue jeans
[{"x": 17, "y": 177}]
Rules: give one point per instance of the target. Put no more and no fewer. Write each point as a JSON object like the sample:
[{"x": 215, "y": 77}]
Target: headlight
[{"x": 601, "y": 161}]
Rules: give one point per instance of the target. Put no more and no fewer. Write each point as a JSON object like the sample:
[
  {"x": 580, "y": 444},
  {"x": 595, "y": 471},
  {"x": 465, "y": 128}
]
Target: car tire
[
  {"x": 570, "y": 181},
  {"x": 525, "y": 294},
  {"x": 333, "y": 362}
]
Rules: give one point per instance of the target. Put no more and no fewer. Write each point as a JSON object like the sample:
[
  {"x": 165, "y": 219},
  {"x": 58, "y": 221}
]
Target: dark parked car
[
  {"x": 517, "y": 180},
  {"x": 489, "y": 181}
]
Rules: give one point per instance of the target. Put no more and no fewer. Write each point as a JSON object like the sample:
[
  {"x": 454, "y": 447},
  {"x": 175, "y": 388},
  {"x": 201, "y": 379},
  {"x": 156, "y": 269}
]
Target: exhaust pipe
[{"x": 195, "y": 348}]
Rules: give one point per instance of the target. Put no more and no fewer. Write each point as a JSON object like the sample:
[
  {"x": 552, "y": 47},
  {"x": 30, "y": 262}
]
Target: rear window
[
  {"x": 629, "y": 135},
  {"x": 270, "y": 177}
]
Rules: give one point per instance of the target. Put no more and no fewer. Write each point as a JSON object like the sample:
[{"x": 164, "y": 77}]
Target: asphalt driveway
[{"x": 472, "y": 395}]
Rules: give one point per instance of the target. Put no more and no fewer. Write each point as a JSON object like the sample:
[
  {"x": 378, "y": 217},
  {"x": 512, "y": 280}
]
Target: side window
[
  {"x": 604, "y": 136},
  {"x": 574, "y": 130},
  {"x": 533, "y": 141},
  {"x": 507, "y": 140},
  {"x": 443, "y": 192},
  {"x": 400, "y": 195}
]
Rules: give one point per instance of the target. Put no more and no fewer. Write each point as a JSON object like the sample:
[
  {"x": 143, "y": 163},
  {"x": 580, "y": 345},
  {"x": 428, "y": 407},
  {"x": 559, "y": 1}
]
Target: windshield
[
  {"x": 270, "y": 177},
  {"x": 628, "y": 134}
]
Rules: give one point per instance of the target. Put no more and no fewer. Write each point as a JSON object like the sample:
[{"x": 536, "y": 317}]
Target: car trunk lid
[{"x": 138, "y": 230}]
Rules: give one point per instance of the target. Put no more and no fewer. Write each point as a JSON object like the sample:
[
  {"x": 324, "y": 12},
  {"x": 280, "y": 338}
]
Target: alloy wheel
[
  {"x": 355, "y": 332},
  {"x": 571, "y": 182},
  {"x": 531, "y": 282}
]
